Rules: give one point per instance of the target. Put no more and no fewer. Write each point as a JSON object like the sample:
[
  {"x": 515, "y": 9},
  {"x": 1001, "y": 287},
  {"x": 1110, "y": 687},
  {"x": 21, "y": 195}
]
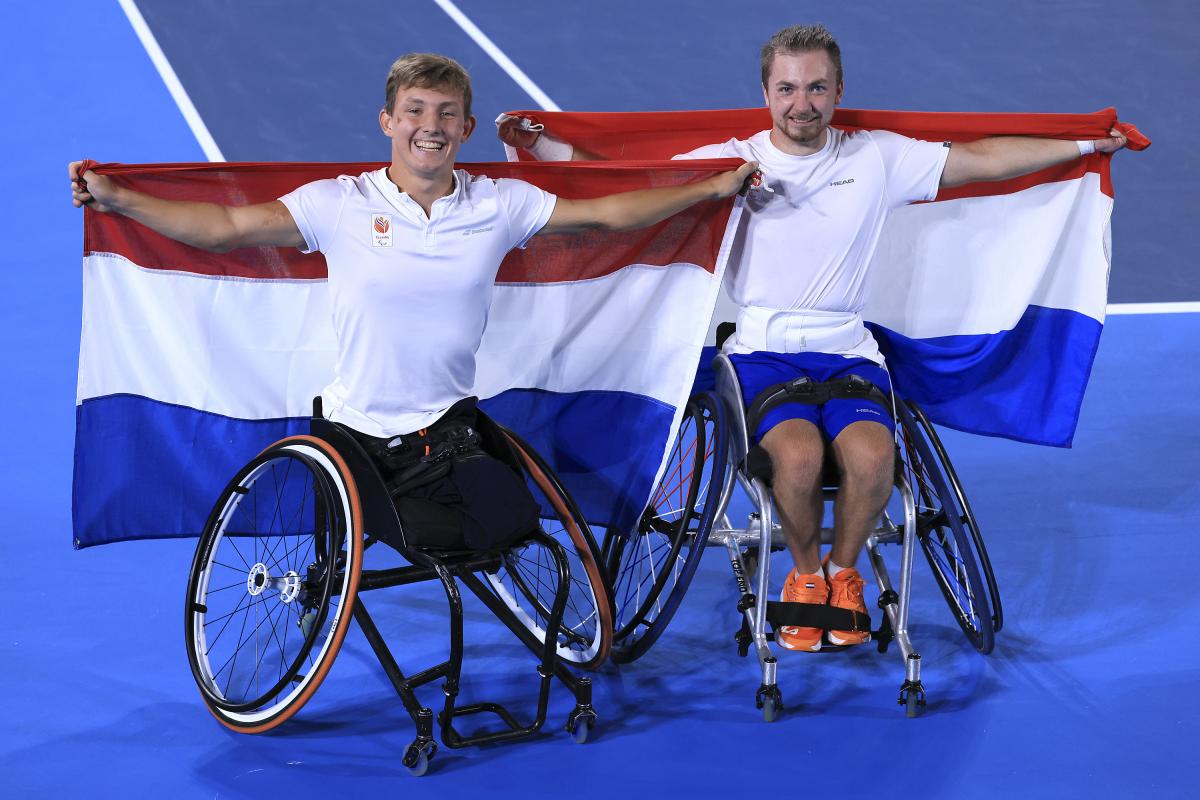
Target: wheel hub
[{"x": 258, "y": 579}]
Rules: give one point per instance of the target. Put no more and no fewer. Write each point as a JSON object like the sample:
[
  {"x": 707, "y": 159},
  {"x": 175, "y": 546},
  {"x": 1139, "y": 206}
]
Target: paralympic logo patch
[{"x": 381, "y": 230}]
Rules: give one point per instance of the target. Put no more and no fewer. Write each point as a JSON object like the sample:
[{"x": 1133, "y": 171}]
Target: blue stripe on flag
[
  {"x": 151, "y": 470},
  {"x": 585, "y": 436},
  {"x": 1025, "y": 384}
]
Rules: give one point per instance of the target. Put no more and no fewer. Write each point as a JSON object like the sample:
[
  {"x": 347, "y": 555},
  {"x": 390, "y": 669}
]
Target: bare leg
[
  {"x": 797, "y": 452},
  {"x": 865, "y": 453}
]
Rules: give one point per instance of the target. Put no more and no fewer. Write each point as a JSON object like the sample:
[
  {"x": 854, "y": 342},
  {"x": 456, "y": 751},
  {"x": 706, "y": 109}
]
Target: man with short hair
[
  {"x": 798, "y": 273},
  {"x": 412, "y": 250}
]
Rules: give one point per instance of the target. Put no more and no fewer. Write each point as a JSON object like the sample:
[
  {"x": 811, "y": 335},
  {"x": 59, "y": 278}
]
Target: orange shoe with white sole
[
  {"x": 802, "y": 588},
  {"x": 846, "y": 591}
]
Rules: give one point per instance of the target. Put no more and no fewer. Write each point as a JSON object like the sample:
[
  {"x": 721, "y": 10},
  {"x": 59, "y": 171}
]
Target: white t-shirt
[
  {"x": 807, "y": 244},
  {"x": 410, "y": 294}
]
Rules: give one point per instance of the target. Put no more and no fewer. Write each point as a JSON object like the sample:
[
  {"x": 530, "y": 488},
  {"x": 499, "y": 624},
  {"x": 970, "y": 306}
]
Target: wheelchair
[
  {"x": 652, "y": 566},
  {"x": 278, "y": 574}
]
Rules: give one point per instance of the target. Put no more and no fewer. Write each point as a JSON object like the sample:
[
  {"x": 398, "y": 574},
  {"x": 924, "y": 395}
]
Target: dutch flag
[{"x": 191, "y": 362}]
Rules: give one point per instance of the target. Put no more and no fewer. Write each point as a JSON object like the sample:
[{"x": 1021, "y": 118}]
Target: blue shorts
[{"x": 759, "y": 370}]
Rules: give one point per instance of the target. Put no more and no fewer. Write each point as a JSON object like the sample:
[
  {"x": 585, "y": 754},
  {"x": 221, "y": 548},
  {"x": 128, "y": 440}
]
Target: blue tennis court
[{"x": 1092, "y": 689}]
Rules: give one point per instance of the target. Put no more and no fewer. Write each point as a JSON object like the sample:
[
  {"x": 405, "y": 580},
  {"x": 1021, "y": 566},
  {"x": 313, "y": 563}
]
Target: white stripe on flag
[
  {"x": 253, "y": 349},
  {"x": 1045, "y": 246},
  {"x": 242, "y": 348},
  {"x": 629, "y": 331}
]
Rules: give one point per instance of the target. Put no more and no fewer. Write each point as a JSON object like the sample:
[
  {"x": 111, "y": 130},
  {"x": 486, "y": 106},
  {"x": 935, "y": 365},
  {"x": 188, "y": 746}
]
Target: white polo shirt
[
  {"x": 410, "y": 294},
  {"x": 808, "y": 243}
]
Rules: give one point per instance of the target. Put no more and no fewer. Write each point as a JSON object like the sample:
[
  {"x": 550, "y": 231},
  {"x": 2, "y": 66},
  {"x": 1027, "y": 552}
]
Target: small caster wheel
[
  {"x": 580, "y": 724},
  {"x": 582, "y": 729},
  {"x": 417, "y": 757},
  {"x": 769, "y": 710},
  {"x": 912, "y": 697},
  {"x": 770, "y": 700}
]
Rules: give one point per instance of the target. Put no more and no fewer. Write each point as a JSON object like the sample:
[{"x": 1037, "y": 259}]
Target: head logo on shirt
[{"x": 381, "y": 230}]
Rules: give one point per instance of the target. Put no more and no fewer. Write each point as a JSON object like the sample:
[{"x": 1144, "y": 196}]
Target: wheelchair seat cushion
[{"x": 757, "y": 371}]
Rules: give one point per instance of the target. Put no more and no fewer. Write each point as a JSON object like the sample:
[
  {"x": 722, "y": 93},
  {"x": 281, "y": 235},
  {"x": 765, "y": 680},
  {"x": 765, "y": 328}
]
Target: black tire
[
  {"x": 273, "y": 583},
  {"x": 527, "y": 579},
  {"x": 653, "y": 567},
  {"x": 946, "y": 530}
]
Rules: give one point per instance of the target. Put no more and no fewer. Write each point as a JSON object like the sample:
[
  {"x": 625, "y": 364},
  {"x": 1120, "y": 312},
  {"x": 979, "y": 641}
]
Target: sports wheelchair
[
  {"x": 652, "y": 567},
  {"x": 278, "y": 574}
]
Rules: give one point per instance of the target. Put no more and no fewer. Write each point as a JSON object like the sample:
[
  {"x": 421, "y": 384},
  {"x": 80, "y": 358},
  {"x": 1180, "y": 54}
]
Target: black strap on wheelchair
[
  {"x": 757, "y": 463},
  {"x": 809, "y": 392},
  {"x": 812, "y": 615}
]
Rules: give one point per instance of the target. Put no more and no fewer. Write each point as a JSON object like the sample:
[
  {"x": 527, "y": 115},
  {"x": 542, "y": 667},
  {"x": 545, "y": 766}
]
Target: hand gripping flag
[
  {"x": 987, "y": 302},
  {"x": 191, "y": 362}
]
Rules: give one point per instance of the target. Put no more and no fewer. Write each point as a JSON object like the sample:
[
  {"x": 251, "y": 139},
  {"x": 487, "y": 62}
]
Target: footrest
[
  {"x": 813, "y": 615},
  {"x": 454, "y": 739}
]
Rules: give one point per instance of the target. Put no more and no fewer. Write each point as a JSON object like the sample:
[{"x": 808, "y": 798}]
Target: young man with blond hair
[
  {"x": 798, "y": 275},
  {"x": 412, "y": 249}
]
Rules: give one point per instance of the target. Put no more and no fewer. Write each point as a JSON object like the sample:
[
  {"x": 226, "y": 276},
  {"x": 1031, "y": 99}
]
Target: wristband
[
  {"x": 1086, "y": 146},
  {"x": 550, "y": 148}
]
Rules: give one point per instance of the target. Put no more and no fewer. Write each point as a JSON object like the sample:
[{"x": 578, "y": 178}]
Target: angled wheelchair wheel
[
  {"x": 653, "y": 566},
  {"x": 947, "y": 531},
  {"x": 527, "y": 578},
  {"x": 273, "y": 583}
]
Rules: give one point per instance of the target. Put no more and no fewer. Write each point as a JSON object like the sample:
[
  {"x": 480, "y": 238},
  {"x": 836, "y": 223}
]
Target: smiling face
[
  {"x": 801, "y": 91},
  {"x": 427, "y": 126}
]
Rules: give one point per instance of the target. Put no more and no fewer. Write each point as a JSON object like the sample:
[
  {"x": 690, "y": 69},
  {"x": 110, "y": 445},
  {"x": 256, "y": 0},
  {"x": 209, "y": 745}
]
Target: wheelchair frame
[
  {"x": 753, "y": 606},
  {"x": 652, "y": 566},
  {"x": 334, "y": 457}
]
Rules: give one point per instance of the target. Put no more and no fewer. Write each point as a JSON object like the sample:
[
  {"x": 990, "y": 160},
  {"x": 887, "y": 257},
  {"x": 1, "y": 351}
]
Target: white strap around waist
[{"x": 786, "y": 331}]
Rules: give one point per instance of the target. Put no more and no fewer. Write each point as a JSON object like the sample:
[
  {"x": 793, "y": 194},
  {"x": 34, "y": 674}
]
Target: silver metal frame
[{"x": 762, "y": 532}]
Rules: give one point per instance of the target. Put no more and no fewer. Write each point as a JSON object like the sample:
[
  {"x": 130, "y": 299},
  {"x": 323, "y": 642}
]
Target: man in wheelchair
[
  {"x": 412, "y": 253},
  {"x": 798, "y": 273}
]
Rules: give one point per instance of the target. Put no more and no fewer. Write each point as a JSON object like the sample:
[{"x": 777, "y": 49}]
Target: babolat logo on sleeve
[{"x": 381, "y": 230}]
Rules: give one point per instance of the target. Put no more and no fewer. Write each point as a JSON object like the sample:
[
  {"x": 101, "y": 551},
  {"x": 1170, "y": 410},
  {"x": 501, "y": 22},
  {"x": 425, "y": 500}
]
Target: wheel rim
[
  {"x": 654, "y": 566},
  {"x": 944, "y": 539},
  {"x": 525, "y": 582},
  {"x": 966, "y": 516},
  {"x": 266, "y": 612}
]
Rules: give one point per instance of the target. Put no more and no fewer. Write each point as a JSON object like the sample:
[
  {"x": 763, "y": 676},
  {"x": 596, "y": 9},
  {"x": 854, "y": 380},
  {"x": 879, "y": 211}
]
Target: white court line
[
  {"x": 506, "y": 64},
  {"x": 190, "y": 115},
  {"x": 1153, "y": 308}
]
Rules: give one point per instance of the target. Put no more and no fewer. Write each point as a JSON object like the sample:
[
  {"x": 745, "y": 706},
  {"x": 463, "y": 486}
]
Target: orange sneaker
[
  {"x": 802, "y": 588},
  {"x": 846, "y": 591}
]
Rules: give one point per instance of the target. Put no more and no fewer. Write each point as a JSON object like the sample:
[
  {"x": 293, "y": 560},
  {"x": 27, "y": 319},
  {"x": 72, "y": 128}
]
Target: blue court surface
[{"x": 1093, "y": 689}]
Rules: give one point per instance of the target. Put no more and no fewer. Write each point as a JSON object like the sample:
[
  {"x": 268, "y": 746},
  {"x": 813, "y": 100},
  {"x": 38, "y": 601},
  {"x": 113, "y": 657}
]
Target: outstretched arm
[
  {"x": 998, "y": 158},
  {"x": 637, "y": 209},
  {"x": 209, "y": 226}
]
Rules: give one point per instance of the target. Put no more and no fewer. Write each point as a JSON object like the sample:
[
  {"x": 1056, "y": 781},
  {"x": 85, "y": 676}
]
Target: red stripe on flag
[
  {"x": 662, "y": 134},
  {"x": 693, "y": 236}
]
